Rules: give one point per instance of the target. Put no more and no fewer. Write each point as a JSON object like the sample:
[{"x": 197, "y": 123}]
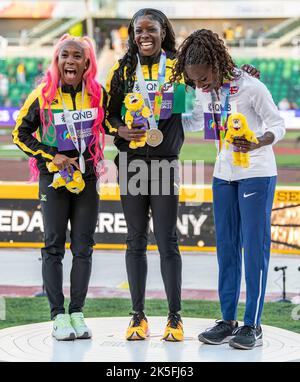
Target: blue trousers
[{"x": 242, "y": 213}]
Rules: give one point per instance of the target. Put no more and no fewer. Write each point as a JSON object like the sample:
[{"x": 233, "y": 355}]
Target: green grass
[
  {"x": 11, "y": 151},
  {"x": 293, "y": 135},
  {"x": 189, "y": 151},
  {"x": 203, "y": 151},
  {"x": 22, "y": 311},
  {"x": 196, "y": 134},
  {"x": 12, "y": 154},
  {"x": 291, "y": 161},
  {"x": 290, "y": 135},
  {"x": 207, "y": 152},
  {"x": 294, "y": 184}
]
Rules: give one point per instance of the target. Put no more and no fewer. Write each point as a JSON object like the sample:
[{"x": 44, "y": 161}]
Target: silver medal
[{"x": 81, "y": 163}]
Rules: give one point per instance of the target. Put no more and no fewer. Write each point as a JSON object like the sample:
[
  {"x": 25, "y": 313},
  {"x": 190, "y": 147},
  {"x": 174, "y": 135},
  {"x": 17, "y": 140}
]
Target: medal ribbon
[
  {"x": 160, "y": 84},
  {"x": 221, "y": 127},
  {"x": 155, "y": 112},
  {"x": 72, "y": 129}
]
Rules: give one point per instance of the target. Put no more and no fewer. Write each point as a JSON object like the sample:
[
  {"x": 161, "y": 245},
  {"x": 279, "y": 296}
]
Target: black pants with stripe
[
  {"x": 58, "y": 208},
  {"x": 153, "y": 196}
]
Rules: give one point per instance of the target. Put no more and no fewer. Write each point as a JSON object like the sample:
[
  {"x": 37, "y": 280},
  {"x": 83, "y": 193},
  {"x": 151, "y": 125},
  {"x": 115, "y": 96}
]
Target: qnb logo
[
  {"x": 211, "y": 124},
  {"x": 296, "y": 313},
  {"x": 2, "y": 309},
  {"x": 151, "y": 86},
  {"x": 66, "y": 135},
  {"x": 217, "y": 108}
]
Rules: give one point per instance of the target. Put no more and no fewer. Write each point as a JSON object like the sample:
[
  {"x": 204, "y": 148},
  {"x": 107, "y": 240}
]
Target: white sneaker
[
  {"x": 77, "y": 321},
  {"x": 62, "y": 328}
]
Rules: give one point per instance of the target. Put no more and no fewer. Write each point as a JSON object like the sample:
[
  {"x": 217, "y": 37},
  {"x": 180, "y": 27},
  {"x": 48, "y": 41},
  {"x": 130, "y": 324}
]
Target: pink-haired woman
[{"x": 61, "y": 122}]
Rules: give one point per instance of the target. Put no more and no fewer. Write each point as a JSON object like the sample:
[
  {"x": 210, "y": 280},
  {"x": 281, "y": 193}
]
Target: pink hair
[
  {"x": 93, "y": 88},
  {"x": 34, "y": 171}
]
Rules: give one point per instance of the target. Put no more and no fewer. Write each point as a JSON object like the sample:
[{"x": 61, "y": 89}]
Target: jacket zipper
[{"x": 73, "y": 96}]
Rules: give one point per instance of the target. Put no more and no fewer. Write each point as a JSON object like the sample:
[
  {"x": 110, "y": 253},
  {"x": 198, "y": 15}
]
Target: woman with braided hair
[
  {"x": 146, "y": 68},
  {"x": 60, "y": 128},
  {"x": 242, "y": 196}
]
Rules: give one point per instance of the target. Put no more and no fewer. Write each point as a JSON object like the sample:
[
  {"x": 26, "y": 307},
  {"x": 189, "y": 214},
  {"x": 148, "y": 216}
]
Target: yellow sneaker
[
  {"x": 174, "y": 328},
  {"x": 138, "y": 327}
]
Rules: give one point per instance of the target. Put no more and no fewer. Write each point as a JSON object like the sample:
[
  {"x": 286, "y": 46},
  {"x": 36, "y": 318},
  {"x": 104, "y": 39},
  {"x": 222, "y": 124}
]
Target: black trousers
[
  {"x": 164, "y": 209},
  {"x": 58, "y": 207}
]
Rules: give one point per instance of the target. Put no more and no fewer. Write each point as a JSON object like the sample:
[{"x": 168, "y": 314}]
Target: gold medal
[{"x": 154, "y": 137}]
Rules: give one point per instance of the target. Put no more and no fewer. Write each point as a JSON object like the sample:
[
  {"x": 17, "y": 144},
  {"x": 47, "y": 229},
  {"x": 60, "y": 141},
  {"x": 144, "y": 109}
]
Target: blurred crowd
[
  {"x": 238, "y": 35},
  {"x": 118, "y": 38},
  {"x": 286, "y": 104},
  {"x": 15, "y": 82},
  {"x": 115, "y": 38}
]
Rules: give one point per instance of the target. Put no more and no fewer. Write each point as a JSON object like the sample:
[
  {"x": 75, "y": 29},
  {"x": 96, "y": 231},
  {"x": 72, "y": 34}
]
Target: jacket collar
[
  {"x": 69, "y": 88},
  {"x": 150, "y": 60}
]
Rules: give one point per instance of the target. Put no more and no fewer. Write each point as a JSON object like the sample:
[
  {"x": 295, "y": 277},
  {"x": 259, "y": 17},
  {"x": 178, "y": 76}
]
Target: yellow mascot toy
[
  {"x": 237, "y": 126},
  {"x": 72, "y": 181},
  {"x": 136, "y": 113}
]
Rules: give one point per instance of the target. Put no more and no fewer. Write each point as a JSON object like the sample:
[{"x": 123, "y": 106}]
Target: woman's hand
[
  {"x": 134, "y": 134},
  {"x": 252, "y": 70},
  {"x": 244, "y": 146},
  {"x": 62, "y": 161}
]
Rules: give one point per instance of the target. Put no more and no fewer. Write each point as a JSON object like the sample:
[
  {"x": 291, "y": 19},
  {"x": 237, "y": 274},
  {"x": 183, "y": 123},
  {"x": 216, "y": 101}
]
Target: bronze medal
[{"x": 154, "y": 137}]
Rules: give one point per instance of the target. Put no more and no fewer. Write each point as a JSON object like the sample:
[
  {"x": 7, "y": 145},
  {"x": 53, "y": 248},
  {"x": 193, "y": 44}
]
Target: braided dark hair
[
  {"x": 130, "y": 60},
  {"x": 204, "y": 47}
]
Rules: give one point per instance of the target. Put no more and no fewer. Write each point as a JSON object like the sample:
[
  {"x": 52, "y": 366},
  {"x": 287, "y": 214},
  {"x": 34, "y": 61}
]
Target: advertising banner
[
  {"x": 39, "y": 9},
  {"x": 8, "y": 116},
  {"x": 21, "y": 223}
]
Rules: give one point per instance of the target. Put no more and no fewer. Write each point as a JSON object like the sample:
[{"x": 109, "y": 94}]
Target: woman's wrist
[
  {"x": 266, "y": 139},
  {"x": 118, "y": 131}
]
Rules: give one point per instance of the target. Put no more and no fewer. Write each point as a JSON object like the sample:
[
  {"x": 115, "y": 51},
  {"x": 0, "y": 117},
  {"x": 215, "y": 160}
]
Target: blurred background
[{"x": 263, "y": 33}]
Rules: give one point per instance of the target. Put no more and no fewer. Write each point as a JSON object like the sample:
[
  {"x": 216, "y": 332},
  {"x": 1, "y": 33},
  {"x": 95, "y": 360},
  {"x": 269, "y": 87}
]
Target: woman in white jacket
[{"x": 242, "y": 196}]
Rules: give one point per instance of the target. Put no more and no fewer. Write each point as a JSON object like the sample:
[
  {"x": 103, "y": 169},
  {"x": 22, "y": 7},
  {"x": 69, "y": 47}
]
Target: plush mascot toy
[
  {"x": 136, "y": 112},
  {"x": 72, "y": 181},
  {"x": 237, "y": 126}
]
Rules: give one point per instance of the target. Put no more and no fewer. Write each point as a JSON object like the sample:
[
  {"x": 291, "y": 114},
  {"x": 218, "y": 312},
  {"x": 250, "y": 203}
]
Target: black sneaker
[
  {"x": 221, "y": 333},
  {"x": 247, "y": 337}
]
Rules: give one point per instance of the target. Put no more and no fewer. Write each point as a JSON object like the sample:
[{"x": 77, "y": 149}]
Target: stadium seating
[
  {"x": 281, "y": 76},
  {"x": 34, "y": 67}
]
